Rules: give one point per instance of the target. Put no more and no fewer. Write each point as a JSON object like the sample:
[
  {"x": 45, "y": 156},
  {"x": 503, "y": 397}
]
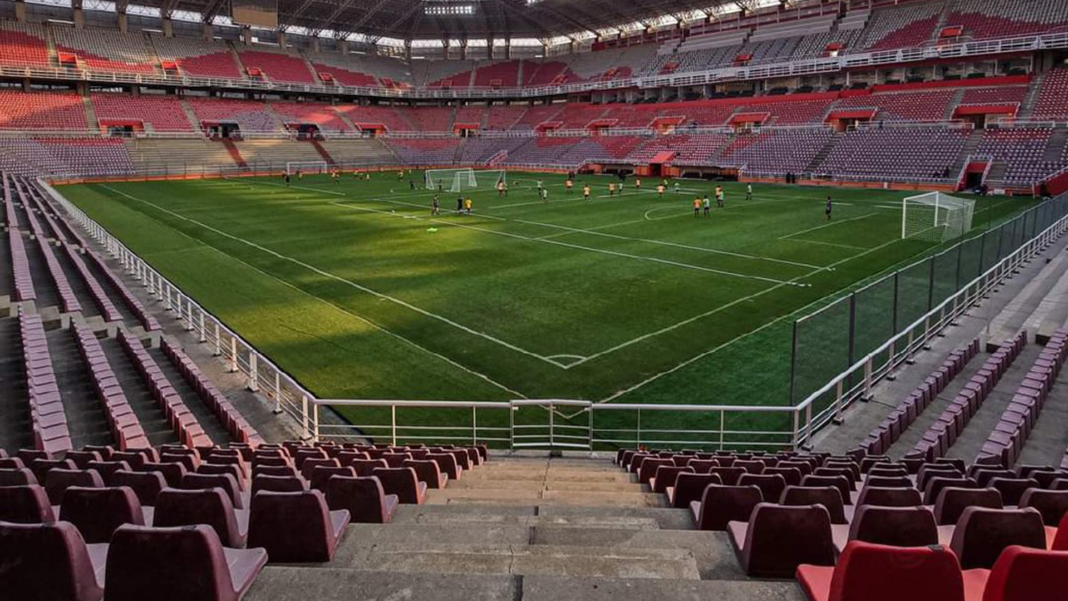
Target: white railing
[
  {"x": 906, "y": 344},
  {"x": 261, "y": 374},
  {"x": 1033, "y": 43},
  {"x": 573, "y": 424}
]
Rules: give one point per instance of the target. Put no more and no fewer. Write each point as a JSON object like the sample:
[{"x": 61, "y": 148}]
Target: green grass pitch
[{"x": 358, "y": 291}]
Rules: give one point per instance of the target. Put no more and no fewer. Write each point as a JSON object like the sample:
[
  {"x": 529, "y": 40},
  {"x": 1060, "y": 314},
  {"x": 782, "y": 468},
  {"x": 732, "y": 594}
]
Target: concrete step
[
  {"x": 539, "y": 497},
  {"x": 562, "y": 485},
  {"x": 522, "y": 559},
  {"x": 279, "y": 583},
  {"x": 514, "y": 475},
  {"x": 559, "y": 515}
]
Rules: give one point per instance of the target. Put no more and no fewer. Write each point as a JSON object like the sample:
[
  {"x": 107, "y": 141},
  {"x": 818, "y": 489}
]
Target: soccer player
[
  {"x": 749, "y": 192},
  {"x": 660, "y": 190},
  {"x": 500, "y": 188},
  {"x": 612, "y": 189},
  {"x": 708, "y": 205},
  {"x": 411, "y": 184},
  {"x": 460, "y": 203},
  {"x": 467, "y": 205},
  {"x": 570, "y": 185},
  {"x": 400, "y": 175},
  {"x": 586, "y": 191},
  {"x": 540, "y": 186},
  {"x": 300, "y": 175},
  {"x": 828, "y": 207},
  {"x": 285, "y": 176},
  {"x": 677, "y": 189},
  {"x": 719, "y": 196},
  {"x": 441, "y": 188},
  {"x": 638, "y": 183},
  {"x": 336, "y": 175},
  {"x": 545, "y": 195},
  {"x": 435, "y": 208},
  {"x": 696, "y": 206}
]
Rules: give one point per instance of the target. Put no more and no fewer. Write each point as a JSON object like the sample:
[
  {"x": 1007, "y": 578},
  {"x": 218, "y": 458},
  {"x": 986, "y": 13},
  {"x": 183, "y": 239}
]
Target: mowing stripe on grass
[
  {"x": 820, "y": 227},
  {"x": 700, "y": 356},
  {"x": 342, "y": 280},
  {"x": 564, "y": 244},
  {"x": 358, "y": 317}
]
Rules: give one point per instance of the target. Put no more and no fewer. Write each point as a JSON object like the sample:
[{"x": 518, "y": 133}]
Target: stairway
[
  {"x": 346, "y": 120},
  {"x": 943, "y": 17},
  {"x": 16, "y": 430},
  {"x": 821, "y": 156},
  {"x": 459, "y": 154},
  {"x": 322, "y": 152},
  {"x": 234, "y": 153},
  {"x": 194, "y": 122},
  {"x": 1027, "y": 107},
  {"x": 951, "y": 108},
  {"x": 90, "y": 115},
  {"x": 531, "y": 528},
  {"x": 1055, "y": 147},
  {"x": 86, "y": 420},
  {"x": 139, "y": 395}
]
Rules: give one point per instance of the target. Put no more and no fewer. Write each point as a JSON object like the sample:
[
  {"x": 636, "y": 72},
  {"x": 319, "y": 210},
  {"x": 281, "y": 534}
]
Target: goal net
[
  {"x": 458, "y": 180},
  {"x": 307, "y": 167},
  {"x": 936, "y": 217}
]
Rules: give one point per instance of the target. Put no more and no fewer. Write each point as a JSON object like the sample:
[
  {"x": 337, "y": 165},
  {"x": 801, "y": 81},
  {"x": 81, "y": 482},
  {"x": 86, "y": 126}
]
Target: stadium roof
[{"x": 460, "y": 19}]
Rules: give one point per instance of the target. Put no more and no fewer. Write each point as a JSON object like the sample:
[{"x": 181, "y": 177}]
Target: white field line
[
  {"x": 828, "y": 244},
  {"x": 342, "y": 280},
  {"x": 564, "y": 244},
  {"x": 826, "y": 225},
  {"x": 696, "y": 358},
  {"x": 360, "y": 318},
  {"x": 573, "y": 230}
]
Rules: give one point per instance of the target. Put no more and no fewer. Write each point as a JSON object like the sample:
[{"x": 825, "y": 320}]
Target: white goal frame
[
  {"x": 936, "y": 217},
  {"x": 462, "y": 179},
  {"x": 307, "y": 167}
]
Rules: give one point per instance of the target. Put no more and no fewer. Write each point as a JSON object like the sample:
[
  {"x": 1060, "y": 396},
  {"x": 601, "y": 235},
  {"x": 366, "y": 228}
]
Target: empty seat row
[
  {"x": 180, "y": 418},
  {"x": 147, "y": 321},
  {"x": 944, "y": 432},
  {"x": 890, "y": 429},
  {"x": 236, "y": 424},
  {"x": 123, "y": 423},
  {"x": 107, "y": 308},
  {"x": 1006, "y": 441},
  {"x": 49, "y": 419}
]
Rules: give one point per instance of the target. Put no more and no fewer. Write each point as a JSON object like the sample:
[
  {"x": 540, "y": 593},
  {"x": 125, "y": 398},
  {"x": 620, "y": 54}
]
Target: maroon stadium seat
[
  {"x": 321, "y": 474},
  {"x": 1052, "y": 504},
  {"x": 982, "y": 534},
  {"x": 364, "y": 499},
  {"x": 892, "y": 526},
  {"x": 777, "y": 539},
  {"x": 146, "y": 485},
  {"x": 720, "y": 505},
  {"x": 210, "y": 507},
  {"x": 689, "y": 488},
  {"x": 17, "y": 477},
  {"x": 59, "y": 480},
  {"x": 953, "y": 501},
  {"x": 1020, "y": 574},
  {"x": 827, "y": 496},
  {"x": 402, "y": 481},
  {"x": 428, "y": 472},
  {"x": 295, "y": 527},
  {"x": 869, "y": 572},
  {"x": 25, "y": 504},
  {"x": 279, "y": 483},
  {"x": 178, "y": 564},
  {"x": 98, "y": 512},
  {"x": 226, "y": 482},
  {"x": 49, "y": 561}
]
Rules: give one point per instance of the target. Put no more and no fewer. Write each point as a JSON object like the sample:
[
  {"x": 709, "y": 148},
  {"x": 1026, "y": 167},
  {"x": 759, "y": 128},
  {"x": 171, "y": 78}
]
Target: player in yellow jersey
[{"x": 586, "y": 191}]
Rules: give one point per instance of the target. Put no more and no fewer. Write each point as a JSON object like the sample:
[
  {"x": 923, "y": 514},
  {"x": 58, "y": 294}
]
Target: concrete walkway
[
  {"x": 998, "y": 317},
  {"x": 530, "y": 528}
]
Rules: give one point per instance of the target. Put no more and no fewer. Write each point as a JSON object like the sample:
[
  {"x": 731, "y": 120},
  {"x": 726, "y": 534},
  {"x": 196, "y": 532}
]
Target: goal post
[
  {"x": 458, "y": 180},
  {"x": 936, "y": 217},
  {"x": 307, "y": 167}
]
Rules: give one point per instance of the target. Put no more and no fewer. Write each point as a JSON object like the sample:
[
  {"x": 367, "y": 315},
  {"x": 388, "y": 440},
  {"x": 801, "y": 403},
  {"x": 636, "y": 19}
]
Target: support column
[
  {"x": 209, "y": 32},
  {"x": 315, "y": 44},
  {"x": 343, "y": 46},
  {"x": 20, "y": 11},
  {"x": 282, "y": 40},
  {"x": 79, "y": 18},
  {"x": 246, "y": 36},
  {"x": 168, "y": 28},
  {"x": 121, "y": 17}
]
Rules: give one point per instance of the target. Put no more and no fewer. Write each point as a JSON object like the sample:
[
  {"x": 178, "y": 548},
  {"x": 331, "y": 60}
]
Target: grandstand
[{"x": 735, "y": 300}]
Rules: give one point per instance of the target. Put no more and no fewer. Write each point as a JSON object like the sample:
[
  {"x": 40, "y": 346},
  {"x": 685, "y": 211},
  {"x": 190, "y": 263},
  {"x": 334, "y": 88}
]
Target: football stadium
[{"x": 330, "y": 300}]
